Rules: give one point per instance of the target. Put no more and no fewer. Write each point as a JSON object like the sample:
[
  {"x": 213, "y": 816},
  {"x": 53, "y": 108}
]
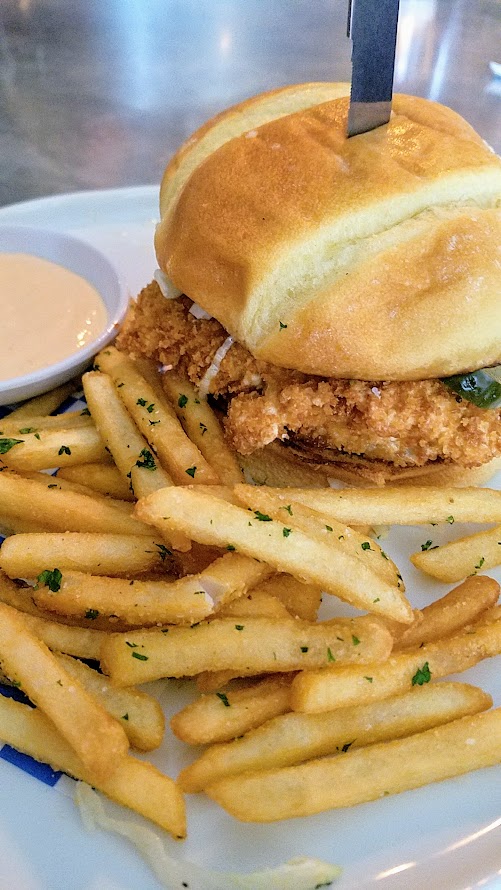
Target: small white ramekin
[{"x": 89, "y": 263}]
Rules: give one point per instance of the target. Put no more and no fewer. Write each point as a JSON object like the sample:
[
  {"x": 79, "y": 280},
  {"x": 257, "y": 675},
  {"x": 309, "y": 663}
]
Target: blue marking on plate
[
  {"x": 15, "y": 693},
  {"x": 41, "y": 771},
  {"x": 6, "y": 409},
  {"x": 71, "y": 402}
]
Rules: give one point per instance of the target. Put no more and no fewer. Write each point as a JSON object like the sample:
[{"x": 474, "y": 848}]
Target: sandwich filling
[{"x": 405, "y": 424}]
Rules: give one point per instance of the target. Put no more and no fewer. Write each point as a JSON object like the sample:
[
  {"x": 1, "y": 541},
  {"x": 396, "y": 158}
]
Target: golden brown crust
[
  {"x": 164, "y": 330},
  {"x": 335, "y": 255},
  {"x": 404, "y": 423},
  {"x": 231, "y": 122},
  {"x": 400, "y": 424}
]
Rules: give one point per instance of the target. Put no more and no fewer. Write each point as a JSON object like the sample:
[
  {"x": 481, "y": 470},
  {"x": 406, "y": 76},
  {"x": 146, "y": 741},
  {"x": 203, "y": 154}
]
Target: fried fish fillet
[{"x": 403, "y": 423}]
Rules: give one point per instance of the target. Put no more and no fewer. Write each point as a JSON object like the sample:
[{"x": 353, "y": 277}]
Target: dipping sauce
[{"x": 47, "y": 314}]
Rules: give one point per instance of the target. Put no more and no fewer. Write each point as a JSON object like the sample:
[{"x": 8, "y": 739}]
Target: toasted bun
[
  {"x": 375, "y": 257},
  {"x": 282, "y": 467}
]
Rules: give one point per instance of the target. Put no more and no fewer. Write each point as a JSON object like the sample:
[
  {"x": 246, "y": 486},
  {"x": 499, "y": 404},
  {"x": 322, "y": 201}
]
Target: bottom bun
[{"x": 282, "y": 466}]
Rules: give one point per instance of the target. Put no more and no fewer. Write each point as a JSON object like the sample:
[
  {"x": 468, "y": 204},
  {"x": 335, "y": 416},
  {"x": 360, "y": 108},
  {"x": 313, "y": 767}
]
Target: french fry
[
  {"x": 63, "y": 510},
  {"x": 261, "y": 603},
  {"x": 148, "y": 603},
  {"x": 103, "y": 478},
  {"x": 21, "y": 598},
  {"x": 300, "y": 599},
  {"x": 53, "y": 482},
  {"x": 140, "y": 469},
  {"x": 339, "y": 686},
  {"x": 320, "y": 527},
  {"x": 140, "y": 714},
  {"x": 11, "y": 525},
  {"x": 293, "y": 738},
  {"x": 10, "y": 426},
  {"x": 157, "y": 421},
  {"x": 258, "y": 604},
  {"x": 210, "y": 520},
  {"x": 464, "y": 556},
  {"x": 53, "y": 448},
  {"x": 202, "y": 426},
  {"x": 78, "y": 641},
  {"x": 47, "y": 402},
  {"x": 446, "y": 616},
  {"x": 492, "y": 614},
  {"x": 57, "y": 481},
  {"x": 81, "y": 642},
  {"x": 259, "y": 645},
  {"x": 130, "y": 450},
  {"x": 26, "y": 556},
  {"x": 227, "y": 715},
  {"x": 398, "y": 505},
  {"x": 365, "y": 774},
  {"x": 134, "y": 784},
  {"x": 97, "y": 739}
]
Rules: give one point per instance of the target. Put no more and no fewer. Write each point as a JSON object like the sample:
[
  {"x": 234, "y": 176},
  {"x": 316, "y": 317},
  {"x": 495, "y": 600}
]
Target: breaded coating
[
  {"x": 165, "y": 331},
  {"x": 406, "y": 423}
]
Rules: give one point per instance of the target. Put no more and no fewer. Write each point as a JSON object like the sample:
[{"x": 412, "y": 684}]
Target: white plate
[{"x": 443, "y": 837}]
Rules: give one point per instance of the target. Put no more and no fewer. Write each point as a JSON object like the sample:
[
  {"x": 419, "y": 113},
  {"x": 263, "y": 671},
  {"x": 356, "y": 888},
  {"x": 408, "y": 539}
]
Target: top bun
[{"x": 375, "y": 257}]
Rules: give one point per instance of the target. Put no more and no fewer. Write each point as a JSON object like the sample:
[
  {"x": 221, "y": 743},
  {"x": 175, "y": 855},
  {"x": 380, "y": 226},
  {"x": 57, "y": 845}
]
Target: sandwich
[{"x": 337, "y": 299}]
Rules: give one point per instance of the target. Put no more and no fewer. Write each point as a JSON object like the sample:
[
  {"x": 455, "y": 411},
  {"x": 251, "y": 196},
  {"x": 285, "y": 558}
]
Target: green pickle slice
[{"x": 482, "y": 388}]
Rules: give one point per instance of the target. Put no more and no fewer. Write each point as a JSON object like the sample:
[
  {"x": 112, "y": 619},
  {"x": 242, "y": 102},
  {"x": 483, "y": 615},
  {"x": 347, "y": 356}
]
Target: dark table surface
[{"x": 99, "y": 93}]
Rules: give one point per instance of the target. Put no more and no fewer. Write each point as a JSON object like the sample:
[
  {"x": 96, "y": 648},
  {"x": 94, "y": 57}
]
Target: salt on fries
[
  {"x": 156, "y": 420},
  {"x": 139, "y": 603},
  {"x": 98, "y": 740},
  {"x": 364, "y": 774},
  {"x": 209, "y": 578},
  {"x": 258, "y": 645},
  {"x": 464, "y": 556},
  {"x": 130, "y": 450},
  {"x": 398, "y": 505},
  {"x": 52, "y": 448},
  {"x": 104, "y": 479},
  {"x": 341, "y": 685},
  {"x": 26, "y": 556},
  {"x": 210, "y": 520},
  {"x": 294, "y": 738}
]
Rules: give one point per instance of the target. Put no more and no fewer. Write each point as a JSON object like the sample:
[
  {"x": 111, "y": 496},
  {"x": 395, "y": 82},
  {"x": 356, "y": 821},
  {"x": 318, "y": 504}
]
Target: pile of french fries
[{"x": 148, "y": 556}]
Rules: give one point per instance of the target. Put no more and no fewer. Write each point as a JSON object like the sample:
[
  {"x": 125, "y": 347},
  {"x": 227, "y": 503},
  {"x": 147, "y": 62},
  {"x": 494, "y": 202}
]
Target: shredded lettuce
[{"x": 301, "y": 873}]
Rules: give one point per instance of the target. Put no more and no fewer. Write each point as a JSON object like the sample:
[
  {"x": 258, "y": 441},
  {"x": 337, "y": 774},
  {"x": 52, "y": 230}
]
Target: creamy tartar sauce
[{"x": 47, "y": 313}]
